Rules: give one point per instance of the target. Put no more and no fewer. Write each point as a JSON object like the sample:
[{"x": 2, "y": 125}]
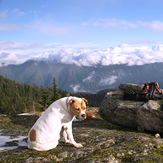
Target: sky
[{"x": 69, "y": 28}]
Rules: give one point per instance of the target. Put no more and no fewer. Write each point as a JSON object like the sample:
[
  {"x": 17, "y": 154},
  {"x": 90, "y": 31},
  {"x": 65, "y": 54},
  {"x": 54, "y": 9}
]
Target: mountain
[{"x": 74, "y": 78}]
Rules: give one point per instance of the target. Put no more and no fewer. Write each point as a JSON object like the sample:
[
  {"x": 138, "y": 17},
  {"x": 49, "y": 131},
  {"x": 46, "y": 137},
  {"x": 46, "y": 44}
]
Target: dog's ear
[
  {"x": 71, "y": 101},
  {"x": 85, "y": 100}
]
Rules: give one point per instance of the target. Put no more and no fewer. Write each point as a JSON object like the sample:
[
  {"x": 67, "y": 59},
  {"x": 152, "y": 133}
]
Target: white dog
[{"x": 56, "y": 121}]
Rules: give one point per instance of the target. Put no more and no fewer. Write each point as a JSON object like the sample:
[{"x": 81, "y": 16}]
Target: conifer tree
[
  {"x": 45, "y": 98},
  {"x": 56, "y": 94}
]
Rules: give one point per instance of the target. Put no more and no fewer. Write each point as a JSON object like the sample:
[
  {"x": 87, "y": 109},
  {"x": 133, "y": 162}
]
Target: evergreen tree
[
  {"x": 56, "y": 94},
  {"x": 45, "y": 98}
]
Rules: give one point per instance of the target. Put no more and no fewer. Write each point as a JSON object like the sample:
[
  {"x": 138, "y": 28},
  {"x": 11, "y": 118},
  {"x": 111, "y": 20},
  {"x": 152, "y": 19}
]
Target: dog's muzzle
[{"x": 82, "y": 116}]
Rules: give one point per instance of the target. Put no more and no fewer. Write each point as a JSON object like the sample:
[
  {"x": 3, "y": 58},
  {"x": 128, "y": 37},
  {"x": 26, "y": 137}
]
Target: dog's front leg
[{"x": 70, "y": 137}]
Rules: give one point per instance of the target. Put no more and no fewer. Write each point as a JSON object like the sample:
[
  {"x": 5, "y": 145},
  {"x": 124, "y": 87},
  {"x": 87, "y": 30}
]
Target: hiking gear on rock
[{"x": 152, "y": 91}]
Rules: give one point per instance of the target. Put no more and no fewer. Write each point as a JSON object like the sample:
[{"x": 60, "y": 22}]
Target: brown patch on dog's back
[{"x": 32, "y": 135}]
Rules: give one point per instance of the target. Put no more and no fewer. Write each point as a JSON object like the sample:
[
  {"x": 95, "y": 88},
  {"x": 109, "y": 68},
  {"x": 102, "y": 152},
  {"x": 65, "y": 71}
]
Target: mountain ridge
[{"x": 74, "y": 78}]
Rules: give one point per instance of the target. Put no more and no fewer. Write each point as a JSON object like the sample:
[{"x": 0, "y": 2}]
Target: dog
[{"x": 55, "y": 121}]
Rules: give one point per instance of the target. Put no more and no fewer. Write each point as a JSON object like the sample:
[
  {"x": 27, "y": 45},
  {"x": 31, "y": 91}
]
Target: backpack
[{"x": 151, "y": 91}]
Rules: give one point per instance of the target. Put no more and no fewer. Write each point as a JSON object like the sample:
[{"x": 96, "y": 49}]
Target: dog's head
[{"x": 78, "y": 108}]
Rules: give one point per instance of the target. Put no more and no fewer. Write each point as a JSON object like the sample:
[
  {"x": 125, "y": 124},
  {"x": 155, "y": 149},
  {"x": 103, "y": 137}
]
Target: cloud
[
  {"x": 3, "y": 14},
  {"x": 113, "y": 23},
  {"x": 47, "y": 26},
  {"x": 7, "y": 13},
  {"x": 16, "y": 53},
  {"x": 125, "y": 24},
  {"x": 156, "y": 26},
  {"x": 139, "y": 42},
  {"x": 43, "y": 28},
  {"x": 48, "y": 29},
  {"x": 109, "y": 80},
  {"x": 8, "y": 27},
  {"x": 18, "y": 12},
  {"x": 77, "y": 88},
  {"x": 90, "y": 77},
  {"x": 12, "y": 45}
]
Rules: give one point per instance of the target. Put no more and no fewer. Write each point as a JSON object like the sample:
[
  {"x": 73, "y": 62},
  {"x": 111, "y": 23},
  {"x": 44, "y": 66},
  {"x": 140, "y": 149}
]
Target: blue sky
[
  {"x": 96, "y": 22},
  {"x": 35, "y": 25}
]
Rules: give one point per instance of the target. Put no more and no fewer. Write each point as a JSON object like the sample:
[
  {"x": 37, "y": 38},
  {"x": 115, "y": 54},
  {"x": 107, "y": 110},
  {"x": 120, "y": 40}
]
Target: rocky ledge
[
  {"x": 102, "y": 141},
  {"x": 132, "y": 112}
]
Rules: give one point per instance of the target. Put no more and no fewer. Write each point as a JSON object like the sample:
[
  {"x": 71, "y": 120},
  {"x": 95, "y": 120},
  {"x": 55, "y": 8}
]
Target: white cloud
[
  {"x": 90, "y": 77},
  {"x": 3, "y": 14},
  {"x": 76, "y": 88},
  {"x": 15, "y": 53},
  {"x": 140, "y": 42},
  {"x": 18, "y": 12},
  {"x": 156, "y": 26},
  {"x": 7, "y": 13},
  {"x": 44, "y": 27},
  {"x": 6, "y": 27},
  {"x": 109, "y": 80},
  {"x": 124, "y": 24},
  {"x": 47, "y": 27},
  {"x": 11, "y": 45},
  {"x": 113, "y": 23}
]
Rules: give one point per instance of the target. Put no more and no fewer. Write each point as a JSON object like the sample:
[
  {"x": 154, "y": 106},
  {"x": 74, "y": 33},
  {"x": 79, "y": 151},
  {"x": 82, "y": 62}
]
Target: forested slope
[{"x": 17, "y": 98}]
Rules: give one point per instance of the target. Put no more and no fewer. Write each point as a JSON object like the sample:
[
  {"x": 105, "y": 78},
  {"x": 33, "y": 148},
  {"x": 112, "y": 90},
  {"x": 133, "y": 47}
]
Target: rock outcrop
[
  {"x": 102, "y": 142},
  {"x": 137, "y": 114}
]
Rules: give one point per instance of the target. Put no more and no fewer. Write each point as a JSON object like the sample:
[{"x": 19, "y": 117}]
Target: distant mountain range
[{"x": 74, "y": 78}]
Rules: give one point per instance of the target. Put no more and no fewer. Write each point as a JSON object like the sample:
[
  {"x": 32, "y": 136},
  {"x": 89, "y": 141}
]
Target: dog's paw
[
  {"x": 77, "y": 145},
  {"x": 67, "y": 142}
]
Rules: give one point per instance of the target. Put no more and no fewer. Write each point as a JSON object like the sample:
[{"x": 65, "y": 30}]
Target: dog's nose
[{"x": 83, "y": 115}]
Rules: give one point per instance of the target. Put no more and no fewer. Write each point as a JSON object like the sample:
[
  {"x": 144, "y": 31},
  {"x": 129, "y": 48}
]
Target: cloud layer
[
  {"x": 18, "y": 53},
  {"x": 124, "y": 24}
]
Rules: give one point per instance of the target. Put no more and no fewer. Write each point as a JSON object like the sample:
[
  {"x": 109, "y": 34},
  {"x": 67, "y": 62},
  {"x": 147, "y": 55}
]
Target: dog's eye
[{"x": 77, "y": 109}]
